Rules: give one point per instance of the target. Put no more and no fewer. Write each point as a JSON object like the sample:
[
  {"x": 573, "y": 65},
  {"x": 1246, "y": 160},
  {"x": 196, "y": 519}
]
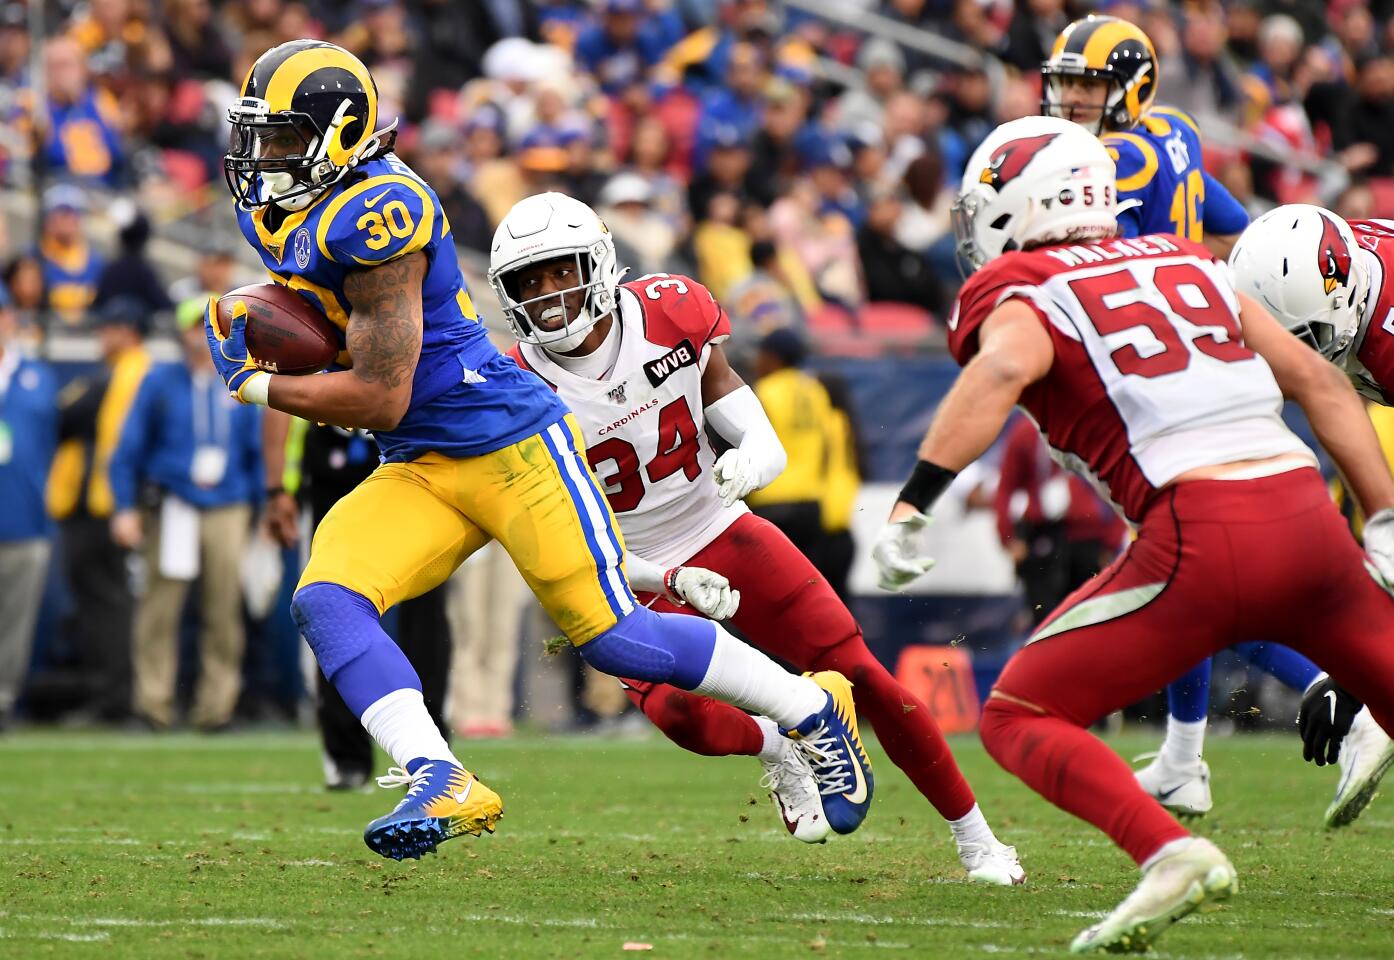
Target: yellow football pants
[{"x": 407, "y": 527}]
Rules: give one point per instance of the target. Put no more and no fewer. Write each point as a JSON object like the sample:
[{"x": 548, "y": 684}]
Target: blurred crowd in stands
[{"x": 798, "y": 157}]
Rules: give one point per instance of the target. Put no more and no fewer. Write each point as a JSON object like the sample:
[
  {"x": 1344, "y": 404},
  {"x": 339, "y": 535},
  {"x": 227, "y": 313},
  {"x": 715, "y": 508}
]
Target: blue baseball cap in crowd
[
  {"x": 124, "y": 310},
  {"x": 785, "y": 344},
  {"x": 726, "y": 136},
  {"x": 826, "y": 151},
  {"x": 65, "y": 196}
]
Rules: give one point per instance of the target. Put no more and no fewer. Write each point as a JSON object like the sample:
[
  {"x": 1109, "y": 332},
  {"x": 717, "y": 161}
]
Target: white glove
[
  {"x": 709, "y": 593},
  {"x": 736, "y": 475},
  {"x": 898, "y": 553},
  {"x": 1379, "y": 545}
]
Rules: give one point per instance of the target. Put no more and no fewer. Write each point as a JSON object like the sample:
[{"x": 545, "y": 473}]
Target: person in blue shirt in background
[
  {"x": 196, "y": 452},
  {"x": 625, "y": 42},
  {"x": 28, "y": 436},
  {"x": 1102, "y": 74},
  {"x": 71, "y": 268}
]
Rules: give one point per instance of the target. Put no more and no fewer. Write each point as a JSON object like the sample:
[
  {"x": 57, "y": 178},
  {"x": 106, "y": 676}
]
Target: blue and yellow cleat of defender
[
  {"x": 833, "y": 747},
  {"x": 443, "y": 801}
]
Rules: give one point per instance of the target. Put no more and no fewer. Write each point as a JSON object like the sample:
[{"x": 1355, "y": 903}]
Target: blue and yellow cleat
[
  {"x": 443, "y": 801},
  {"x": 833, "y": 747}
]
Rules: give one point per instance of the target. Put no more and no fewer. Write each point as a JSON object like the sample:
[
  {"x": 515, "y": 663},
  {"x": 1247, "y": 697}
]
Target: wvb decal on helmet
[
  {"x": 1011, "y": 158},
  {"x": 1333, "y": 255}
]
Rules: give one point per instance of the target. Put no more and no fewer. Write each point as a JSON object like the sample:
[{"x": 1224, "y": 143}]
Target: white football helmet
[
  {"x": 548, "y": 226},
  {"x": 1303, "y": 264},
  {"x": 1034, "y": 180}
]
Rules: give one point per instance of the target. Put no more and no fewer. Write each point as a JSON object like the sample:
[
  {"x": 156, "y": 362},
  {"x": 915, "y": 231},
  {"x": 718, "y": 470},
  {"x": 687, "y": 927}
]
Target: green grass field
[{"x": 179, "y": 846}]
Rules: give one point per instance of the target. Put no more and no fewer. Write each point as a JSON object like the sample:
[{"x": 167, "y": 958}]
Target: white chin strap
[
  {"x": 282, "y": 182},
  {"x": 579, "y": 326}
]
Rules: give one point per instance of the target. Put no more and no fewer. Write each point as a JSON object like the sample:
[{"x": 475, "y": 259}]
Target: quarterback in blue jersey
[
  {"x": 1102, "y": 74},
  {"x": 473, "y": 447}
]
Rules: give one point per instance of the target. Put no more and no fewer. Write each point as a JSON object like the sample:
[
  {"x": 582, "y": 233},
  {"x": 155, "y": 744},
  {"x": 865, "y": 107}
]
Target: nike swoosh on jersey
[
  {"x": 859, "y": 794},
  {"x": 373, "y": 202}
]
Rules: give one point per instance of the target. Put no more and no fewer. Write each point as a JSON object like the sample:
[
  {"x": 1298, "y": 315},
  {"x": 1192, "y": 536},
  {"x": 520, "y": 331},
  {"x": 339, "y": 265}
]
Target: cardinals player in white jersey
[
  {"x": 1146, "y": 371},
  {"x": 642, "y": 367},
  {"x": 1332, "y": 284}
]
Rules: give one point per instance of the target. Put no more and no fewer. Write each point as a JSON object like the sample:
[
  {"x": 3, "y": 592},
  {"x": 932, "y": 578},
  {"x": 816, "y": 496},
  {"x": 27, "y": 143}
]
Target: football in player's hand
[{"x": 285, "y": 333}]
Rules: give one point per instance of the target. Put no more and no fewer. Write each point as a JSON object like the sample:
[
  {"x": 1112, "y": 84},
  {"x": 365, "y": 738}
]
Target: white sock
[
  {"x": 972, "y": 828},
  {"x": 1184, "y": 743},
  {"x": 744, "y": 677},
  {"x": 402, "y": 726},
  {"x": 1166, "y": 850},
  {"x": 775, "y": 741}
]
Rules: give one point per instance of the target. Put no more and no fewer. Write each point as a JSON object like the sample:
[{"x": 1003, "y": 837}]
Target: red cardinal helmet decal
[
  {"x": 1008, "y": 160},
  {"x": 1333, "y": 255}
]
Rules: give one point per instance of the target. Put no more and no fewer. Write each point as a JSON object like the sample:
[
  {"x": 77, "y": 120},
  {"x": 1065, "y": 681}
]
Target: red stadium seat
[
  {"x": 895, "y": 319},
  {"x": 1383, "y": 189}
]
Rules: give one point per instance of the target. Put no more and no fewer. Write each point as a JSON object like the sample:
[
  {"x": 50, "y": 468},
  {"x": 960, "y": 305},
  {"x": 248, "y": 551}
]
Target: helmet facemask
[
  {"x": 598, "y": 300},
  {"x": 1114, "y": 114},
  {"x": 283, "y": 157}
]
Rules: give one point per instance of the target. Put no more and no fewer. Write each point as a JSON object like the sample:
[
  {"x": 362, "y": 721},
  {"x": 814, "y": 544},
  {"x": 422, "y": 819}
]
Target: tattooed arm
[{"x": 384, "y": 339}]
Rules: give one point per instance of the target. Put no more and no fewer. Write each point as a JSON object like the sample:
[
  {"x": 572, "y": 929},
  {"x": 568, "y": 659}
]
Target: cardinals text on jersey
[
  {"x": 643, "y": 425},
  {"x": 1150, "y": 377}
]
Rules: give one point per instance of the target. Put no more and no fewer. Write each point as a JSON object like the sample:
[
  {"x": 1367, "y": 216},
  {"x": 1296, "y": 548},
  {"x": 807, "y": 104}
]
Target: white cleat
[
  {"x": 1185, "y": 791},
  {"x": 994, "y": 863},
  {"x": 1367, "y": 754},
  {"x": 790, "y": 782},
  {"x": 1195, "y": 877}
]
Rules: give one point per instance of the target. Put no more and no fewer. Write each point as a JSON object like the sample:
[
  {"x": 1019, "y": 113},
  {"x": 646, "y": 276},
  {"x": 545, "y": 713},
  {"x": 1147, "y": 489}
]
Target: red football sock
[
  {"x": 1074, "y": 770},
  {"x": 904, "y": 726},
  {"x": 699, "y": 724}
]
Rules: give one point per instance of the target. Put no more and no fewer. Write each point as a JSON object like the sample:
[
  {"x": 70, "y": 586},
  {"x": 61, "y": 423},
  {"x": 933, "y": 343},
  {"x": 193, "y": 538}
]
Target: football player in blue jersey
[
  {"x": 473, "y": 449},
  {"x": 1102, "y": 74}
]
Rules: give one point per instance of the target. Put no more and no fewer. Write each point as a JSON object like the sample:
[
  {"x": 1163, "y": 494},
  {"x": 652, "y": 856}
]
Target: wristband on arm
[{"x": 927, "y": 482}]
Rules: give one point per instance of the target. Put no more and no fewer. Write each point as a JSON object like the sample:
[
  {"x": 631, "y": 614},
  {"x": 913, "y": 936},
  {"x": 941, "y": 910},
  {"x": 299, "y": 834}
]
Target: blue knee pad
[
  {"x": 345, "y": 633},
  {"x": 1290, "y": 667},
  {"x": 656, "y": 647},
  {"x": 1188, "y": 696}
]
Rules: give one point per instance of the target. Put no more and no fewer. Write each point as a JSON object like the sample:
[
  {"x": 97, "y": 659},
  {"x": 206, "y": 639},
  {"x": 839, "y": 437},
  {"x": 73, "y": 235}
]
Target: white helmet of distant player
[
  {"x": 549, "y": 226},
  {"x": 1032, "y": 181},
  {"x": 1303, "y": 264}
]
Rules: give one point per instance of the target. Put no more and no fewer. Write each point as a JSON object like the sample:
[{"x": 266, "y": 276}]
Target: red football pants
[
  {"x": 788, "y": 610},
  {"x": 1216, "y": 562}
]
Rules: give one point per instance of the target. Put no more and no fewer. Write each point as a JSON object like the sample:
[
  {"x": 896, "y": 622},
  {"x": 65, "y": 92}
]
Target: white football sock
[
  {"x": 775, "y": 741},
  {"x": 744, "y": 677},
  {"x": 403, "y": 727},
  {"x": 1184, "y": 743},
  {"x": 972, "y": 828},
  {"x": 1166, "y": 850}
]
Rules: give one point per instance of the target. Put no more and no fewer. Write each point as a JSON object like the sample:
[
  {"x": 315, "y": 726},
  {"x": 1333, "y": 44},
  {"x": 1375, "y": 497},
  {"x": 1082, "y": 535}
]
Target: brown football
[{"x": 285, "y": 333}]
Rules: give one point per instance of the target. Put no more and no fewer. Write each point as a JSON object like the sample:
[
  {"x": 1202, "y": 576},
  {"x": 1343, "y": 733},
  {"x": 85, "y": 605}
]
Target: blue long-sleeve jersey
[{"x": 1159, "y": 166}]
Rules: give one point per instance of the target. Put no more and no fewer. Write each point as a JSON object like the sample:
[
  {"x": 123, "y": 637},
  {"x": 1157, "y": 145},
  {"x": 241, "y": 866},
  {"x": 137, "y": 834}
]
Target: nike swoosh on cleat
[
  {"x": 1166, "y": 794},
  {"x": 859, "y": 794},
  {"x": 373, "y": 202},
  {"x": 462, "y": 796}
]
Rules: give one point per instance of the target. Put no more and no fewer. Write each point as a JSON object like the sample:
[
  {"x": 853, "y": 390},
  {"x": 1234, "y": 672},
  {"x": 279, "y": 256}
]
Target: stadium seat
[{"x": 1383, "y": 189}]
